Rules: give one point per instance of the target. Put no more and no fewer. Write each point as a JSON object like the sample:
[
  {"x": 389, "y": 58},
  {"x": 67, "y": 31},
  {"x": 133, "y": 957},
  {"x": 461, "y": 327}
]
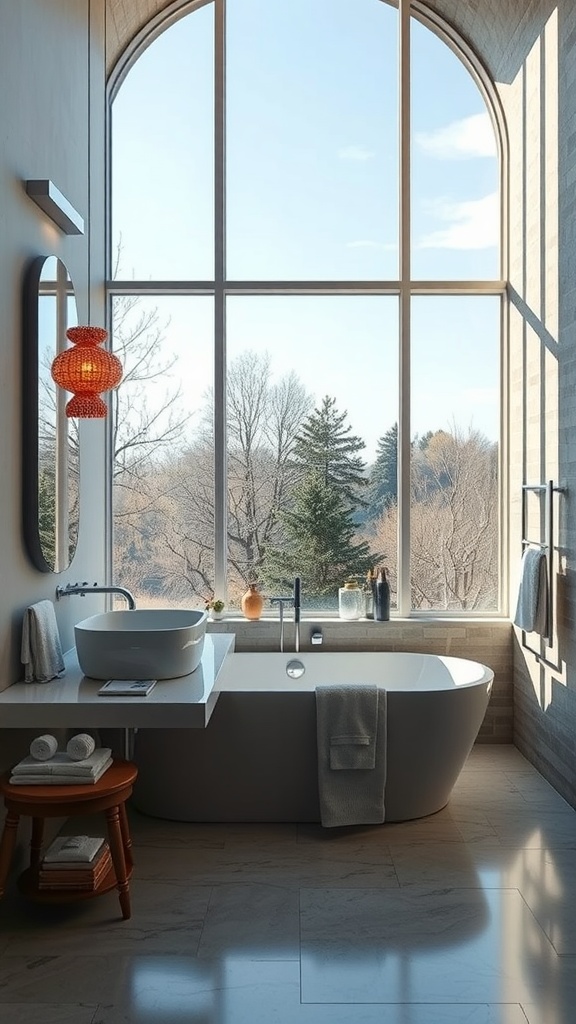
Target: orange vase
[{"x": 252, "y": 603}]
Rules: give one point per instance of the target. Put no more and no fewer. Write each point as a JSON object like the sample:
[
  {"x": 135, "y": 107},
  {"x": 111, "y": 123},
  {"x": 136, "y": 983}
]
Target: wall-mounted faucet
[
  {"x": 281, "y": 601},
  {"x": 293, "y": 602},
  {"x": 93, "y": 588},
  {"x": 316, "y": 638}
]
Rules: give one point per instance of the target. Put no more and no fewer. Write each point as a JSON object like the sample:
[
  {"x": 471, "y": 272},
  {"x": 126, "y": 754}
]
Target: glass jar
[{"x": 351, "y": 601}]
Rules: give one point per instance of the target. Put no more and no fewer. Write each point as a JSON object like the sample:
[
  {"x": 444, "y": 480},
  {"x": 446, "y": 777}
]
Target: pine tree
[
  {"x": 383, "y": 486},
  {"x": 326, "y": 446},
  {"x": 318, "y": 542}
]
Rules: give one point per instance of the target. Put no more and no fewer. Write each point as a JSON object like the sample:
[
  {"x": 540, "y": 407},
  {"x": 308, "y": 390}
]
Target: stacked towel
[
  {"x": 351, "y": 736},
  {"x": 532, "y": 607},
  {"x": 41, "y": 652},
  {"x": 43, "y": 747},
  {"x": 80, "y": 746},
  {"x": 62, "y": 770}
]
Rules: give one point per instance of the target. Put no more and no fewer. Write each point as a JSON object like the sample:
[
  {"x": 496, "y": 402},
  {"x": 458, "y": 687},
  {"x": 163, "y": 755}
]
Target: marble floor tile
[
  {"x": 496, "y": 757},
  {"x": 61, "y": 979},
  {"x": 257, "y": 920},
  {"x": 467, "y": 865},
  {"x": 257, "y": 834},
  {"x": 546, "y": 878},
  {"x": 45, "y": 1013},
  {"x": 276, "y": 863},
  {"x": 252, "y": 992},
  {"x": 190, "y": 835},
  {"x": 467, "y": 916},
  {"x": 531, "y": 828},
  {"x": 451, "y": 945},
  {"x": 166, "y": 918}
]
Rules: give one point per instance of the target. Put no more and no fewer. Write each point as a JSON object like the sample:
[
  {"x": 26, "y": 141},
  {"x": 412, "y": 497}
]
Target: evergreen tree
[
  {"x": 383, "y": 486},
  {"x": 318, "y": 541},
  {"x": 326, "y": 447}
]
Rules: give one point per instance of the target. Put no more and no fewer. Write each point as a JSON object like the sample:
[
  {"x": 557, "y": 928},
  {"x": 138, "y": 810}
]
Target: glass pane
[
  {"x": 455, "y": 436},
  {"x": 455, "y": 168},
  {"x": 312, "y": 151},
  {"x": 312, "y": 390},
  {"x": 163, "y": 449},
  {"x": 163, "y": 168}
]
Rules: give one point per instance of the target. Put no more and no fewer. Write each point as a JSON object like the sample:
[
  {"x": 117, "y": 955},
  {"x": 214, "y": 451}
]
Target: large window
[{"x": 306, "y": 290}]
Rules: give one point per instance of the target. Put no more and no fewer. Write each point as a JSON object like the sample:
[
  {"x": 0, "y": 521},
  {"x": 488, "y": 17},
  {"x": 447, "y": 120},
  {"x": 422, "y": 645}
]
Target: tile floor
[{"x": 465, "y": 917}]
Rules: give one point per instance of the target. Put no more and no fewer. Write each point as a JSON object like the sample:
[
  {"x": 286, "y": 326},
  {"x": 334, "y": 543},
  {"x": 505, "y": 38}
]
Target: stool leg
[
  {"x": 36, "y": 841},
  {"x": 126, "y": 839},
  {"x": 7, "y": 844},
  {"x": 118, "y": 860}
]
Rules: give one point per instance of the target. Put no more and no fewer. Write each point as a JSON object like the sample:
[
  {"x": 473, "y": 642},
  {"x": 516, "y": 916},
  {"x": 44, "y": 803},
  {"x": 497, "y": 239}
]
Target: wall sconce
[
  {"x": 86, "y": 371},
  {"x": 50, "y": 199}
]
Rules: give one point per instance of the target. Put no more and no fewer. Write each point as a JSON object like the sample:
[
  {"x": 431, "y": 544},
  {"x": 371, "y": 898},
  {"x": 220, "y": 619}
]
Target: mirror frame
[{"x": 30, "y": 412}]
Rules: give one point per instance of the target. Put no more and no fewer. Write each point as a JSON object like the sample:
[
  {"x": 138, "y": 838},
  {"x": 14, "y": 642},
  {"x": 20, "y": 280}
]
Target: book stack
[{"x": 74, "y": 864}]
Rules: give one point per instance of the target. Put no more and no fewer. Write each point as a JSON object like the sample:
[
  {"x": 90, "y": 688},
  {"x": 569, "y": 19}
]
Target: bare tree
[
  {"x": 453, "y": 522},
  {"x": 171, "y": 536},
  {"x": 148, "y": 426},
  {"x": 263, "y": 423}
]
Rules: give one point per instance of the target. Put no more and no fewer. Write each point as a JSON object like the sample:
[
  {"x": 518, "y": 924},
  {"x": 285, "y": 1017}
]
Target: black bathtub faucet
[{"x": 297, "y": 595}]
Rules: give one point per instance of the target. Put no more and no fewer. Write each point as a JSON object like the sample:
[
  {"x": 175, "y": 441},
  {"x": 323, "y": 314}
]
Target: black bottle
[{"x": 381, "y": 597}]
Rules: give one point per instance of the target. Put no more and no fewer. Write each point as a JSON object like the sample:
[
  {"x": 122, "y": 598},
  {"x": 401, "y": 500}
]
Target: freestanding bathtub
[{"x": 257, "y": 759}]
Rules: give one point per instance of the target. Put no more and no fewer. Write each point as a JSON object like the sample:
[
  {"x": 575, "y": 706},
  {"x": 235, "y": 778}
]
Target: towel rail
[{"x": 547, "y": 490}]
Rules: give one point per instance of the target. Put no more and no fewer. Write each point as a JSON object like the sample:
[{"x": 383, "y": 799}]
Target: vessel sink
[{"x": 148, "y": 643}]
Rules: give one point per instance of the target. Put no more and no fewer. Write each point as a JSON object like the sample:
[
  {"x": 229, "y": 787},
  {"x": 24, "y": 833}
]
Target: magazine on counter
[{"x": 127, "y": 688}]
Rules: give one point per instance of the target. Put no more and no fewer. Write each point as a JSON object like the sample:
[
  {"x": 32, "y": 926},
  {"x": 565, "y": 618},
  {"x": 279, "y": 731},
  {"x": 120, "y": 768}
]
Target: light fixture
[
  {"x": 86, "y": 370},
  {"x": 50, "y": 199}
]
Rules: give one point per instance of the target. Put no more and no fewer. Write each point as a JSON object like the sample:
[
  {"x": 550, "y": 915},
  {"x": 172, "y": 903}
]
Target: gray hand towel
[
  {"x": 532, "y": 606},
  {"x": 41, "y": 652},
  {"x": 351, "y": 736}
]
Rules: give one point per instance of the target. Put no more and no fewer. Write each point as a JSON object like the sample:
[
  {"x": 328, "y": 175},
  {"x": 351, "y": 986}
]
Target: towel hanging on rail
[{"x": 532, "y": 607}]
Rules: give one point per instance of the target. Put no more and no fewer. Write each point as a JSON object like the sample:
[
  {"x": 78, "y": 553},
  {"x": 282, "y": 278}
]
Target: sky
[{"x": 312, "y": 194}]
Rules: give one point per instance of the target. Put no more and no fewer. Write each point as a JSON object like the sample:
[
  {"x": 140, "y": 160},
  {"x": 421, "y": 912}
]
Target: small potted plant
[{"x": 215, "y": 609}]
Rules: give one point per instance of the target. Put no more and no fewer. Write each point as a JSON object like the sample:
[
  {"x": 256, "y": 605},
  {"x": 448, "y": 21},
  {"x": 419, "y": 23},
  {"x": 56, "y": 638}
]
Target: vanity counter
[{"x": 73, "y": 701}]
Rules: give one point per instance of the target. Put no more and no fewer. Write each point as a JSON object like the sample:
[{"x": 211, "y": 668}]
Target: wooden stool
[{"x": 109, "y": 794}]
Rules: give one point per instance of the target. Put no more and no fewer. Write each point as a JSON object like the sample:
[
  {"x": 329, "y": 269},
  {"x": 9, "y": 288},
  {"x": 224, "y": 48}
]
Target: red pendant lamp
[{"x": 86, "y": 370}]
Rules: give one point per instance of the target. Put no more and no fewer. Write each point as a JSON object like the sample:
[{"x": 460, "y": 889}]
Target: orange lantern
[{"x": 86, "y": 371}]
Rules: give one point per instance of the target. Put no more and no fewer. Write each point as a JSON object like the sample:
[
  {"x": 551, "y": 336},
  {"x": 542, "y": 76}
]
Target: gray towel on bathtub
[{"x": 351, "y": 739}]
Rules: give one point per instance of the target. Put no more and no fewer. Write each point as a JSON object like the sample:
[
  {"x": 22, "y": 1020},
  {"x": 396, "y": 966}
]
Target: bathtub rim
[{"x": 483, "y": 675}]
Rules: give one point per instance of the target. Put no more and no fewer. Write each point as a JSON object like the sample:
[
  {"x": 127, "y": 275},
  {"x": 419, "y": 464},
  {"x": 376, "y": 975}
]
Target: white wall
[{"x": 52, "y": 104}]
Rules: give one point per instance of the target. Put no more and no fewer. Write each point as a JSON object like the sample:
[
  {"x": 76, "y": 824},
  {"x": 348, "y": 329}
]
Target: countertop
[{"x": 73, "y": 701}]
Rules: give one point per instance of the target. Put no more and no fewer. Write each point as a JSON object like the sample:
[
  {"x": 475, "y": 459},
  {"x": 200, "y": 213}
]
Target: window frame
[{"x": 404, "y": 288}]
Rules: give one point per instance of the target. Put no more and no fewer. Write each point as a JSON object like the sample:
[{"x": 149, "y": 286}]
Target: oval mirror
[{"x": 51, "y": 450}]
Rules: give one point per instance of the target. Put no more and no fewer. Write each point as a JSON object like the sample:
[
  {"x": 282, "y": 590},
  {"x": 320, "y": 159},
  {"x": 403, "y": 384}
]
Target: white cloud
[
  {"x": 358, "y": 153},
  {"x": 472, "y": 224},
  {"x": 460, "y": 140}
]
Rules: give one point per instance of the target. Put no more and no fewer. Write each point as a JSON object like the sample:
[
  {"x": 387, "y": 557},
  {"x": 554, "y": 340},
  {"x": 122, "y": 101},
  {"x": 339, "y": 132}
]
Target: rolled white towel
[
  {"x": 80, "y": 746},
  {"x": 43, "y": 747}
]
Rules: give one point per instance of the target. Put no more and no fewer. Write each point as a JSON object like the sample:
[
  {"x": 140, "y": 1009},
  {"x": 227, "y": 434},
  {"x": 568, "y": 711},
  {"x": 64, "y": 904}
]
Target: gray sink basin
[{"x": 148, "y": 643}]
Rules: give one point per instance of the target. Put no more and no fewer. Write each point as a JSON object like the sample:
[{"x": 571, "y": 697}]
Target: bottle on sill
[
  {"x": 369, "y": 593},
  {"x": 382, "y": 597},
  {"x": 351, "y": 601},
  {"x": 252, "y": 602}
]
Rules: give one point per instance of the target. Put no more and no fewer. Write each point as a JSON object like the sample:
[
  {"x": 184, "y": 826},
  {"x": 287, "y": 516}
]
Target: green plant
[{"x": 215, "y": 606}]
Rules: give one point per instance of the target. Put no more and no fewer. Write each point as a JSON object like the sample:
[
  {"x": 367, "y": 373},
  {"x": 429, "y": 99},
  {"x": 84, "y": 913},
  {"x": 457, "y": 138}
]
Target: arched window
[{"x": 306, "y": 288}]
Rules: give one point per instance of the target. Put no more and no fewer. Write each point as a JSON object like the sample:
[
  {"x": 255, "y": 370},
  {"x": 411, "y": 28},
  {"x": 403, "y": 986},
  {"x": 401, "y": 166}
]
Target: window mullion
[
  {"x": 220, "y": 447},
  {"x": 404, "y": 595}
]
